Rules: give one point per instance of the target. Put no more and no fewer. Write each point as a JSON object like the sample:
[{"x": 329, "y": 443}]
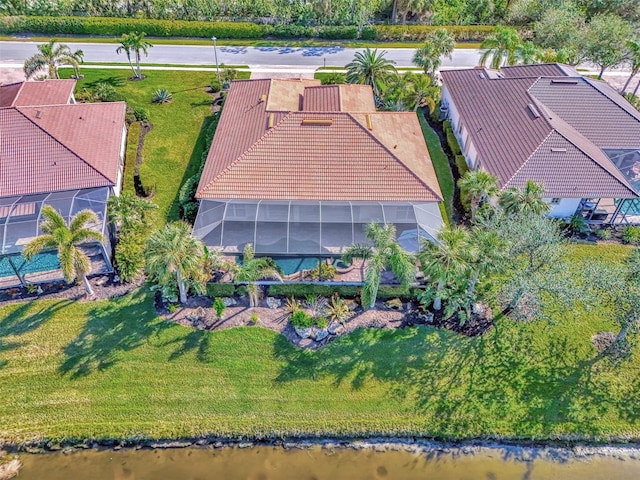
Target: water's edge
[{"x": 522, "y": 449}]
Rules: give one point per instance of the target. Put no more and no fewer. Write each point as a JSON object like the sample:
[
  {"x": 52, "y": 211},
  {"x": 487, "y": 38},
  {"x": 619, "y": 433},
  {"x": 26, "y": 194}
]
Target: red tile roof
[
  {"x": 59, "y": 147},
  {"x": 315, "y": 155},
  {"x": 46, "y": 92},
  {"x": 514, "y": 122}
]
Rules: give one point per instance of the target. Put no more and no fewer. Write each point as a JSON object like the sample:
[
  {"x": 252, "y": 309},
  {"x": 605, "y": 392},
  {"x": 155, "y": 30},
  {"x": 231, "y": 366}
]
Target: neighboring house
[
  {"x": 57, "y": 152},
  {"x": 575, "y": 136},
  {"x": 300, "y": 168}
]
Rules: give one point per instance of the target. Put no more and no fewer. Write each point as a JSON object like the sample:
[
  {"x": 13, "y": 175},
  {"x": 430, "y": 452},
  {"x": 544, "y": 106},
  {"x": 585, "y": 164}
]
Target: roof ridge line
[
  {"x": 411, "y": 172},
  {"x": 46, "y": 132},
  {"x": 621, "y": 107},
  {"x": 530, "y": 156},
  {"x": 13, "y": 102},
  {"x": 244, "y": 154}
]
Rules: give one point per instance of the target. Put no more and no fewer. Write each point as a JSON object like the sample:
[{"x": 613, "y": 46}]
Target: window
[{"x": 555, "y": 201}]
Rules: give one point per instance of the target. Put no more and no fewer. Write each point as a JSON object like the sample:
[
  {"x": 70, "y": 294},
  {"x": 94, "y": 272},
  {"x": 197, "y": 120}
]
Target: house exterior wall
[
  {"x": 565, "y": 208},
  {"x": 468, "y": 149}
]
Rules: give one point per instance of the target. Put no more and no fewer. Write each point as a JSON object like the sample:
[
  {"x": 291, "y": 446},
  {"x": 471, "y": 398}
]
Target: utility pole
[{"x": 215, "y": 53}]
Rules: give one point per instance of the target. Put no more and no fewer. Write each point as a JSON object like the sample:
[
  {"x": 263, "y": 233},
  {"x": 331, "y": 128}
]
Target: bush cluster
[
  {"x": 110, "y": 26},
  {"x": 216, "y": 290},
  {"x": 302, "y": 290}
]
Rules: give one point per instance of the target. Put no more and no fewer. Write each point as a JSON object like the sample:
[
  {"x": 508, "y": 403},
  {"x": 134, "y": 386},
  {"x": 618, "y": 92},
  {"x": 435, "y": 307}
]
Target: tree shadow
[
  {"x": 113, "y": 81},
  {"x": 196, "y": 340},
  {"x": 111, "y": 328},
  {"x": 506, "y": 381},
  {"x": 195, "y": 161}
]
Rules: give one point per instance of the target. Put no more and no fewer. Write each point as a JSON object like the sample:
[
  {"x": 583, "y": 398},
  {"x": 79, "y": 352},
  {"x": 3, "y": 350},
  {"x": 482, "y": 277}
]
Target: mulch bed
[{"x": 197, "y": 313}]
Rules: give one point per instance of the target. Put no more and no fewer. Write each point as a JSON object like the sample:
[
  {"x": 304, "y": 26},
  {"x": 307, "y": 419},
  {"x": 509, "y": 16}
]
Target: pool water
[
  {"x": 42, "y": 262},
  {"x": 291, "y": 265}
]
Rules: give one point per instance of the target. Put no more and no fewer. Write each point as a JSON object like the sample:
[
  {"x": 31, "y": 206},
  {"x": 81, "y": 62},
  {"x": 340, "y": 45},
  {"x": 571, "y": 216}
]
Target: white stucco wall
[{"x": 566, "y": 208}]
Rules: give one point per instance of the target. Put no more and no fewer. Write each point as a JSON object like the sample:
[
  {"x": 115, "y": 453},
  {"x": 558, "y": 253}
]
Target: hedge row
[
  {"x": 301, "y": 290},
  {"x": 109, "y": 26}
]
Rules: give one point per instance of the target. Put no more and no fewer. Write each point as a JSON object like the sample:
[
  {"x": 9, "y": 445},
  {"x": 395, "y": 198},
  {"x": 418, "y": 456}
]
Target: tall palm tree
[
  {"x": 445, "y": 261},
  {"x": 67, "y": 239},
  {"x": 633, "y": 47},
  {"x": 385, "y": 252},
  {"x": 126, "y": 47},
  {"x": 253, "y": 269},
  {"x": 173, "y": 255},
  {"x": 422, "y": 92},
  {"x": 527, "y": 200},
  {"x": 50, "y": 56},
  {"x": 487, "y": 254},
  {"x": 481, "y": 186},
  {"x": 137, "y": 44},
  {"x": 502, "y": 48},
  {"x": 438, "y": 44},
  {"x": 370, "y": 68}
]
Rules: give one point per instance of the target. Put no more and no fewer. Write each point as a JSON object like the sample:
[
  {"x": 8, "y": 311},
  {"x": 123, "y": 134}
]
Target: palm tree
[
  {"x": 78, "y": 55},
  {"x": 502, "y": 48},
  {"x": 445, "y": 261},
  {"x": 385, "y": 252},
  {"x": 437, "y": 44},
  {"x": 529, "y": 53},
  {"x": 253, "y": 269},
  {"x": 138, "y": 44},
  {"x": 129, "y": 212},
  {"x": 486, "y": 254},
  {"x": 174, "y": 255},
  {"x": 422, "y": 92},
  {"x": 50, "y": 56},
  {"x": 527, "y": 200},
  {"x": 126, "y": 47},
  {"x": 481, "y": 186},
  {"x": 66, "y": 239},
  {"x": 633, "y": 47},
  {"x": 370, "y": 68}
]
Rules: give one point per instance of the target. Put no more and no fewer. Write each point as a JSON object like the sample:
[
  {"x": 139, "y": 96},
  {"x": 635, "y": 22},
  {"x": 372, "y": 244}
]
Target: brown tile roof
[
  {"x": 8, "y": 93},
  {"x": 539, "y": 70},
  {"x": 301, "y": 159},
  {"x": 59, "y": 147},
  {"x": 285, "y": 94},
  {"x": 511, "y": 125}
]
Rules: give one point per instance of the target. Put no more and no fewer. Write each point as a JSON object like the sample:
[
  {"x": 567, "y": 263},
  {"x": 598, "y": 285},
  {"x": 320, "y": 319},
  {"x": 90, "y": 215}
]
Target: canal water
[{"x": 265, "y": 463}]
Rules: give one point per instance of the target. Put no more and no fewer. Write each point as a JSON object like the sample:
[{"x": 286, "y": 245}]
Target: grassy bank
[
  {"x": 173, "y": 148},
  {"x": 73, "y": 370}
]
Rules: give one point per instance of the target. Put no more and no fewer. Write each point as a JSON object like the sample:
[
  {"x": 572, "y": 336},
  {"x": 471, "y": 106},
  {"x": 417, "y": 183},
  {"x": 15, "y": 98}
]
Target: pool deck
[{"x": 99, "y": 266}]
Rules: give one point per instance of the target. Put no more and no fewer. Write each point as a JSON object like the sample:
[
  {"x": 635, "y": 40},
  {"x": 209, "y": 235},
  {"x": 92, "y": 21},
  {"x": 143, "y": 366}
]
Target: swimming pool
[{"x": 42, "y": 262}]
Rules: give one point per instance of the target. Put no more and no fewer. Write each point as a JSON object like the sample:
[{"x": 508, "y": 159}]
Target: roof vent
[
  {"x": 271, "y": 120},
  {"x": 566, "y": 81},
  {"x": 558, "y": 150},
  {"x": 39, "y": 114},
  {"x": 263, "y": 98},
  {"x": 534, "y": 111},
  {"x": 368, "y": 120},
  {"x": 321, "y": 122}
]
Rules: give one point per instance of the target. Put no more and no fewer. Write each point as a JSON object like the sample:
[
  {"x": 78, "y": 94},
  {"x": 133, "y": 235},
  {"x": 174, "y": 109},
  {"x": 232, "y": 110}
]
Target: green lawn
[
  {"x": 172, "y": 150},
  {"x": 440, "y": 164},
  {"x": 111, "y": 369}
]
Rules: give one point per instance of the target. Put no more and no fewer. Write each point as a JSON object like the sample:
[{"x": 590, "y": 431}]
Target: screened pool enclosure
[
  {"x": 309, "y": 227},
  {"x": 20, "y": 218}
]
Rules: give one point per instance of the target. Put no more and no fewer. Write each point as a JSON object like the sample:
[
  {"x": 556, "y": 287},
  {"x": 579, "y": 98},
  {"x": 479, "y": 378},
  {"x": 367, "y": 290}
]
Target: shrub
[
  {"x": 461, "y": 163},
  {"x": 322, "y": 272},
  {"x": 631, "y": 235},
  {"x": 578, "y": 224},
  {"x": 302, "y": 290},
  {"x": 254, "y": 319},
  {"x": 215, "y": 85},
  {"x": 603, "y": 233},
  {"x": 215, "y": 290},
  {"x": 321, "y": 322},
  {"x": 419, "y": 32},
  {"x": 219, "y": 307},
  {"x": 136, "y": 114},
  {"x": 301, "y": 319},
  {"x": 368, "y": 33},
  {"x": 453, "y": 142},
  {"x": 129, "y": 257},
  {"x": 241, "y": 290},
  {"x": 292, "y": 305},
  {"x": 162, "y": 95},
  {"x": 103, "y": 92},
  {"x": 338, "y": 310},
  {"x": 293, "y": 30},
  {"x": 338, "y": 32},
  {"x": 334, "y": 78}
]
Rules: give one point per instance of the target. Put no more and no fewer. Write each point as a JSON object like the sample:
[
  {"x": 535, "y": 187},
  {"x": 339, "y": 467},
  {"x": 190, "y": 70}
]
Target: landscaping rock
[
  {"x": 424, "y": 317},
  {"x": 321, "y": 335},
  {"x": 352, "y": 304},
  {"x": 229, "y": 301},
  {"x": 394, "y": 304},
  {"x": 335, "y": 328},
  {"x": 303, "y": 332},
  {"x": 245, "y": 445},
  {"x": 198, "y": 315},
  {"x": 273, "y": 302}
]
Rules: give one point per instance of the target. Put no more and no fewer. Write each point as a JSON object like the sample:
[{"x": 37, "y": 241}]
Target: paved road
[{"x": 311, "y": 57}]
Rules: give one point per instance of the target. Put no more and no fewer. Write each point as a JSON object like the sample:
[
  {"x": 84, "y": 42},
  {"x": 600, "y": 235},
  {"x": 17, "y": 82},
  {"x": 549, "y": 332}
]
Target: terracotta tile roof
[
  {"x": 59, "y": 147},
  {"x": 285, "y": 94},
  {"x": 314, "y": 156},
  {"x": 339, "y": 98},
  {"x": 46, "y": 92},
  {"x": 512, "y": 125}
]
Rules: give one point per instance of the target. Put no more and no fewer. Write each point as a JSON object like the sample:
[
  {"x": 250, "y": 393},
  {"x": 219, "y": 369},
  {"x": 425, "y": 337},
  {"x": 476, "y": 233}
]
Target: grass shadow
[
  {"x": 113, "y": 327},
  {"x": 192, "y": 168}
]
